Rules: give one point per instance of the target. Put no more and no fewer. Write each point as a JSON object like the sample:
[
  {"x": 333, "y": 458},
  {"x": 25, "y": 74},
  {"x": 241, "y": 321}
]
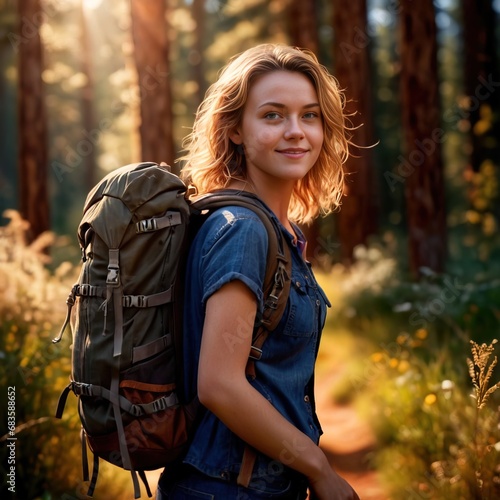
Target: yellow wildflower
[
  {"x": 402, "y": 338},
  {"x": 404, "y": 366},
  {"x": 430, "y": 399},
  {"x": 489, "y": 224},
  {"x": 473, "y": 217},
  {"x": 421, "y": 333}
]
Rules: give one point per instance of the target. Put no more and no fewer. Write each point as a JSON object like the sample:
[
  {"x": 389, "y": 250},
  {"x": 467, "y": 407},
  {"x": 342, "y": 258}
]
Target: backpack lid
[{"x": 121, "y": 193}]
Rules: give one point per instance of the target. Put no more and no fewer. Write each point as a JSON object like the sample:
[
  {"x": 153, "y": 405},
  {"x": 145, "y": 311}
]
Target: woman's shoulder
[
  {"x": 231, "y": 244},
  {"x": 236, "y": 217},
  {"x": 236, "y": 223},
  {"x": 233, "y": 213}
]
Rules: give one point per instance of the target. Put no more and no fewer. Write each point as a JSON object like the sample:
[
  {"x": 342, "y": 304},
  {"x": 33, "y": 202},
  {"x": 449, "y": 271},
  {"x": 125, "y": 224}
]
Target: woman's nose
[{"x": 293, "y": 128}]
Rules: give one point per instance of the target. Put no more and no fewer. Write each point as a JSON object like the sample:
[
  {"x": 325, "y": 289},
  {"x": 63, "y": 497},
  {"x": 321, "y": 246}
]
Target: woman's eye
[
  {"x": 272, "y": 115},
  {"x": 311, "y": 115}
]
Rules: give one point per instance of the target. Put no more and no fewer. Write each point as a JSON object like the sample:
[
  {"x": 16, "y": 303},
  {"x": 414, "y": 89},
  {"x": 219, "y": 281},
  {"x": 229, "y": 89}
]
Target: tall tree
[
  {"x": 480, "y": 64},
  {"x": 358, "y": 217},
  {"x": 304, "y": 24},
  {"x": 423, "y": 166},
  {"x": 32, "y": 120},
  {"x": 152, "y": 46}
]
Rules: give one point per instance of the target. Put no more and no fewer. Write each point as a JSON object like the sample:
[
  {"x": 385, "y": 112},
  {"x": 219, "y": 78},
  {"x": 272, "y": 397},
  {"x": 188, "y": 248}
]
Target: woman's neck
[{"x": 277, "y": 199}]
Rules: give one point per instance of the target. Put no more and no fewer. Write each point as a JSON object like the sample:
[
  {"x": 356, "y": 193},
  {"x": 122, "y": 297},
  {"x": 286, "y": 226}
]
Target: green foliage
[
  {"x": 433, "y": 438},
  {"x": 47, "y": 451},
  {"x": 413, "y": 373}
]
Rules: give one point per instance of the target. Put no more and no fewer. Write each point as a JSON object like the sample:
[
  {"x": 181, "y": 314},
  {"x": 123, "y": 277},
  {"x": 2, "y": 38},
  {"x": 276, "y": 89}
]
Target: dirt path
[{"x": 347, "y": 440}]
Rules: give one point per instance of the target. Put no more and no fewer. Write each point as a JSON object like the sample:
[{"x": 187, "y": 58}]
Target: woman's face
[{"x": 281, "y": 130}]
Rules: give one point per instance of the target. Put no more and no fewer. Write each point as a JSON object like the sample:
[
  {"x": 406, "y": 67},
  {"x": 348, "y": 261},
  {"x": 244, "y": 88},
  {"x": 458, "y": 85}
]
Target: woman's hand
[
  {"x": 328, "y": 485},
  {"x": 341, "y": 490}
]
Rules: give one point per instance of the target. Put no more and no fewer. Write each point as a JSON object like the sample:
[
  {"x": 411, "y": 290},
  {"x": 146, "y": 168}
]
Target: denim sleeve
[{"x": 234, "y": 249}]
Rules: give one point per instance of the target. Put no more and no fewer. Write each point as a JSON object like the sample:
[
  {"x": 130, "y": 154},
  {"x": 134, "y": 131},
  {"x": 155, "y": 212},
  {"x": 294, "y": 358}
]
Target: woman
[{"x": 273, "y": 125}]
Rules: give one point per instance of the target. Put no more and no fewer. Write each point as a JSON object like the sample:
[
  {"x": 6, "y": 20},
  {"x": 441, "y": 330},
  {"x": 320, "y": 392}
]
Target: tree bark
[
  {"x": 304, "y": 24},
  {"x": 32, "y": 121},
  {"x": 358, "y": 217},
  {"x": 422, "y": 168},
  {"x": 152, "y": 45}
]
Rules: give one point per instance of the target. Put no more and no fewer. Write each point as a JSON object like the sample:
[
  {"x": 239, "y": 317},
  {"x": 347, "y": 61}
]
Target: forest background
[{"x": 411, "y": 263}]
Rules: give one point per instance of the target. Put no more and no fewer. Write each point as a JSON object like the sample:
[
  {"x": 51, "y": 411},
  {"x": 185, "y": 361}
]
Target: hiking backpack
[{"x": 134, "y": 235}]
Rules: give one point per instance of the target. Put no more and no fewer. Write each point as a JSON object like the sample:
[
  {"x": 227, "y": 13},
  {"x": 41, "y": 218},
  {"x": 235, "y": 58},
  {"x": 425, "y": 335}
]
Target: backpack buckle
[
  {"x": 146, "y": 225},
  {"x": 255, "y": 353},
  {"x": 113, "y": 277},
  {"x": 82, "y": 389},
  {"x": 134, "y": 301},
  {"x": 87, "y": 290}
]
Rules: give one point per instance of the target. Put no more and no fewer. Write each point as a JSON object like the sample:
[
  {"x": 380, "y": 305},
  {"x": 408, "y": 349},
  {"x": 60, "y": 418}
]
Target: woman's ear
[{"x": 236, "y": 137}]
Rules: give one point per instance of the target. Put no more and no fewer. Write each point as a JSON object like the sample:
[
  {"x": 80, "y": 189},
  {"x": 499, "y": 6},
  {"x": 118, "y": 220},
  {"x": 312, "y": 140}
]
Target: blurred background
[{"x": 411, "y": 263}]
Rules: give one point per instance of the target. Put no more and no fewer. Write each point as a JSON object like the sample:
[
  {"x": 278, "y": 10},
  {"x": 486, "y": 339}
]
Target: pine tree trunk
[
  {"x": 32, "y": 121},
  {"x": 358, "y": 217},
  {"x": 422, "y": 168},
  {"x": 304, "y": 24},
  {"x": 151, "y": 41}
]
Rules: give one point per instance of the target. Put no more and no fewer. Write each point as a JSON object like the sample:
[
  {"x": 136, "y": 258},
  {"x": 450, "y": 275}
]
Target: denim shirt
[{"x": 232, "y": 245}]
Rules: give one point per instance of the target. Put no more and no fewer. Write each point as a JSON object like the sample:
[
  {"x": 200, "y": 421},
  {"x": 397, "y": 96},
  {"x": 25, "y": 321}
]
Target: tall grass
[
  {"x": 47, "y": 458},
  {"x": 415, "y": 372}
]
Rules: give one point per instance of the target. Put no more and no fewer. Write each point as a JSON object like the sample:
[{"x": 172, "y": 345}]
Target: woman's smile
[{"x": 293, "y": 152}]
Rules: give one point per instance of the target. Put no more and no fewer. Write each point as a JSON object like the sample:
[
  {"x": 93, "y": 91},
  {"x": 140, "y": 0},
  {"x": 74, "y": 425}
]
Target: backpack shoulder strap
[{"x": 278, "y": 269}]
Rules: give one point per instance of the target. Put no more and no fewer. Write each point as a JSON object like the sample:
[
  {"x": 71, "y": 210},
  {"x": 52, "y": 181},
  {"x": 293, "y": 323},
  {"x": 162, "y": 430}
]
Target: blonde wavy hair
[{"x": 212, "y": 160}]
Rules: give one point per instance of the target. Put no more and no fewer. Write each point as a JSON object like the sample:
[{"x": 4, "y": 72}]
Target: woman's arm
[{"x": 224, "y": 390}]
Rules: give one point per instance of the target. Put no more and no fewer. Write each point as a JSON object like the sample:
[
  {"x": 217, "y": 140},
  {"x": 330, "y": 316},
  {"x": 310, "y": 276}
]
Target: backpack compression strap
[{"x": 86, "y": 290}]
